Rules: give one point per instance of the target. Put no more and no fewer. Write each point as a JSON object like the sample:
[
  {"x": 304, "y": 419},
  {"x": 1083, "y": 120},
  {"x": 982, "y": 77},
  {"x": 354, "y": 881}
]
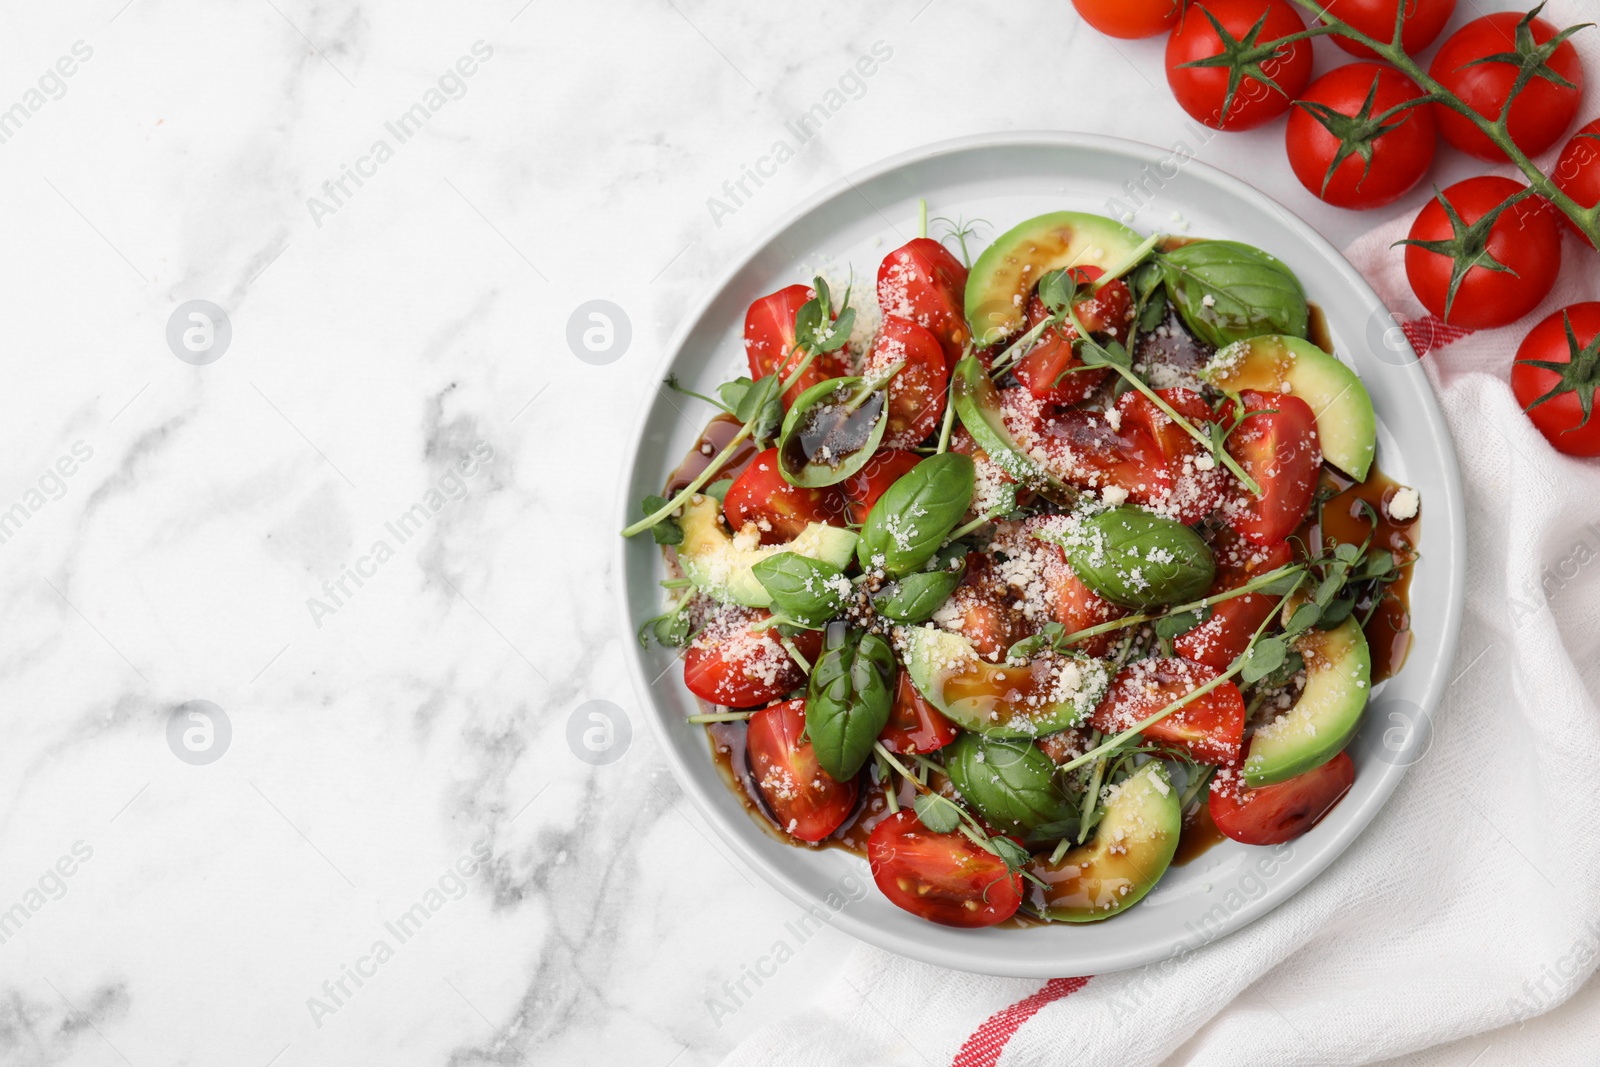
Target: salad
[{"x": 1035, "y": 575}]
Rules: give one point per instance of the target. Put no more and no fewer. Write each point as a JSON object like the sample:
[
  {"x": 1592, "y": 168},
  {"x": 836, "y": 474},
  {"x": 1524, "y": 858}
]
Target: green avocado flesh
[
  {"x": 1000, "y": 281},
  {"x": 1322, "y": 721},
  {"x": 1132, "y": 847},
  {"x": 719, "y": 564},
  {"x": 1050, "y": 694},
  {"x": 977, "y": 403},
  {"x": 1346, "y": 428}
]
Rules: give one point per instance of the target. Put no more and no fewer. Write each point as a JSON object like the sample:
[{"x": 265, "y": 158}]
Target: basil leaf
[
  {"x": 849, "y": 698},
  {"x": 1171, "y": 626},
  {"x": 668, "y": 531},
  {"x": 910, "y": 521},
  {"x": 1014, "y": 786},
  {"x": 1137, "y": 559},
  {"x": 937, "y": 813},
  {"x": 1226, "y": 291},
  {"x": 1264, "y": 657},
  {"x": 916, "y": 596},
  {"x": 825, "y": 439},
  {"x": 809, "y": 591}
]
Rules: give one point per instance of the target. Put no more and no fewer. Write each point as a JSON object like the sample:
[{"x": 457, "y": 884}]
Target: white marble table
[{"x": 375, "y": 530}]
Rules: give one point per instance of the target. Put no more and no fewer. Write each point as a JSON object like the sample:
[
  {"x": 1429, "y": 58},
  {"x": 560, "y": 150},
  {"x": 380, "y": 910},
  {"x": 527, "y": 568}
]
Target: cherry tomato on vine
[
  {"x": 1525, "y": 239},
  {"x": 805, "y": 802},
  {"x": 1577, "y": 172},
  {"x": 769, "y": 341},
  {"x": 1278, "y": 448},
  {"x": 730, "y": 664},
  {"x": 1044, "y": 369},
  {"x": 922, "y": 282},
  {"x": 780, "y": 511},
  {"x": 1424, "y": 20},
  {"x": 1203, "y": 91},
  {"x": 865, "y": 486},
  {"x": 1210, "y": 728},
  {"x": 944, "y": 878},
  {"x": 1334, "y": 121},
  {"x": 1539, "y": 115},
  {"x": 917, "y": 391},
  {"x": 1130, "y": 19},
  {"x": 1273, "y": 814},
  {"x": 1555, "y": 381}
]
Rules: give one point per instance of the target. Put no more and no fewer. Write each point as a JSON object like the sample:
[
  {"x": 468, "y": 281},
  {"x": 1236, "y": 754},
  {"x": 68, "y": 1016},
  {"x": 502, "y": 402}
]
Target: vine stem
[
  {"x": 1587, "y": 220},
  {"x": 722, "y": 716}
]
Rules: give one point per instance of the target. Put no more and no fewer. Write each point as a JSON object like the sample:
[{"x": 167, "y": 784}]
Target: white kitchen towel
[{"x": 1471, "y": 903}]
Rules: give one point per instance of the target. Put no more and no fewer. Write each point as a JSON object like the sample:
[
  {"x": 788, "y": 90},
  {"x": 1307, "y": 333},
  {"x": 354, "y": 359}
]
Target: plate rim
[{"x": 697, "y": 785}]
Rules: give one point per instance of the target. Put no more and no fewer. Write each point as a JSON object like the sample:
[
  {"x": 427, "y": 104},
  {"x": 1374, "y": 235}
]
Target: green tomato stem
[
  {"x": 795, "y": 653},
  {"x": 922, "y": 218},
  {"x": 722, "y": 716}
]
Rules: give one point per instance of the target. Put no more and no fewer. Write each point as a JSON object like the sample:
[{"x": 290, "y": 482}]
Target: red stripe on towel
[{"x": 983, "y": 1048}]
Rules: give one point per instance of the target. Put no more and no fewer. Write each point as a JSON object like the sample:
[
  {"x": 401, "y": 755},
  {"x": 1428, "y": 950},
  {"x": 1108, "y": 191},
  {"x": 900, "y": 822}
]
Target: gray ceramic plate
[{"x": 1006, "y": 178}]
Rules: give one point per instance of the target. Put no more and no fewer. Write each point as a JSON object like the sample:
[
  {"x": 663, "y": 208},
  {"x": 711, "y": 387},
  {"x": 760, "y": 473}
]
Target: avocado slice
[
  {"x": 719, "y": 565},
  {"x": 1000, "y": 281},
  {"x": 1050, "y": 694},
  {"x": 1322, "y": 721},
  {"x": 1346, "y": 427},
  {"x": 1132, "y": 847},
  {"x": 978, "y": 405}
]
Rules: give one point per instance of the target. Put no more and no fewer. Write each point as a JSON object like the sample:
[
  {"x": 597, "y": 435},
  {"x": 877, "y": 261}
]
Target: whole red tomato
[
  {"x": 1555, "y": 381},
  {"x": 1203, "y": 91},
  {"x": 1130, "y": 19},
  {"x": 1577, "y": 172},
  {"x": 1346, "y": 100},
  {"x": 1525, "y": 239},
  {"x": 1539, "y": 115},
  {"x": 1375, "y": 18}
]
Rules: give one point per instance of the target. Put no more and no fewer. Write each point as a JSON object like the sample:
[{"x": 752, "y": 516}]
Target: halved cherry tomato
[
  {"x": 769, "y": 341},
  {"x": 1279, "y": 449},
  {"x": 865, "y": 486},
  {"x": 805, "y": 802},
  {"x": 1044, "y": 370},
  {"x": 730, "y": 664},
  {"x": 917, "y": 391},
  {"x": 944, "y": 878},
  {"x": 922, "y": 282},
  {"x": 990, "y": 481},
  {"x": 1284, "y": 810},
  {"x": 1577, "y": 172},
  {"x": 986, "y": 616},
  {"x": 1202, "y": 91},
  {"x": 779, "y": 510},
  {"x": 1073, "y": 604},
  {"x": 1539, "y": 115},
  {"x": 1130, "y": 19},
  {"x": 914, "y": 724},
  {"x": 1219, "y": 640},
  {"x": 1375, "y": 18},
  {"x": 1197, "y": 483},
  {"x": 1085, "y": 449},
  {"x": 1210, "y": 728}
]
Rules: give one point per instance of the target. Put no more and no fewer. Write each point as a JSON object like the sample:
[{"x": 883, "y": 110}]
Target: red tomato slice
[
  {"x": 1282, "y": 811},
  {"x": 923, "y": 283},
  {"x": 1197, "y": 482},
  {"x": 1280, "y": 451},
  {"x": 730, "y": 664},
  {"x": 917, "y": 391},
  {"x": 914, "y": 724},
  {"x": 944, "y": 878},
  {"x": 1085, "y": 449},
  {"x": 1211, "y": 728},
  {"x": 805, "y": 802},
  {"x": 1044, "y": 369},
  {"x": 1220, "y": 640},
  {"x": 1073, "y": 604},
  {"x": 986, "y": 616},
  {"x": 769, "y": 341},
  {"x": 863, "y": 488},
  {"x": 779, "y": 510},
  {"x": 990, "y": 481}
]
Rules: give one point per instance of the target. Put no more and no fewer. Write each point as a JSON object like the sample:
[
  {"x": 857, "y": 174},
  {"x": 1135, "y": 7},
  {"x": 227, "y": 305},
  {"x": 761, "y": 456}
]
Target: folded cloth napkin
[{"x": 1471, "y": 903}]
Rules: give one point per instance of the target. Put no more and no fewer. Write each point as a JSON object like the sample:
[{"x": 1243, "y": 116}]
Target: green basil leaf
[
  {"x": 1264, "y": 657},
  {"x": 668, "y": 531},
  {"x": 849, "y": 699},
  {"x": 1172, "y": 626},
  {"x": 1014, "y": 786},
  {"x": 1137, "y": 559},
  {"x": 1226, "y": 291},
  {"x": 809, "y": 591},
  {"x": 937, "y": 813},
  {"x": 824, "y": 439},
  {"x": 917, "y": 596},
  {"x": 911, "y": 520}
]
